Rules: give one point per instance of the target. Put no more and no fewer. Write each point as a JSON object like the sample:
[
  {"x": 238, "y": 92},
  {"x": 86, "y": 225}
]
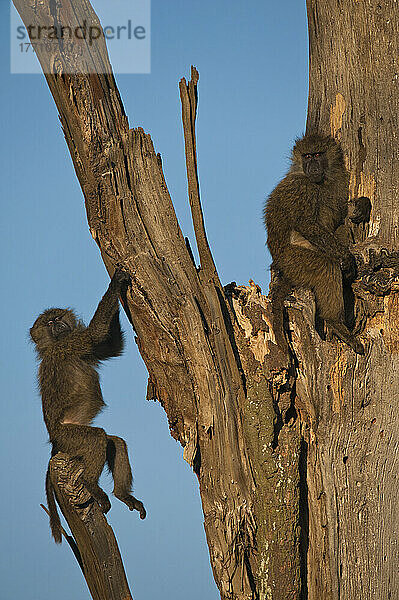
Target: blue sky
[{"x": 252, "y": 59}]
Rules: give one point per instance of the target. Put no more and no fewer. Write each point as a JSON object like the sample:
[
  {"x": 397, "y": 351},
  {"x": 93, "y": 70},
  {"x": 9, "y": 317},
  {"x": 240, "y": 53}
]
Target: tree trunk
[
  {"x": 93, "y": 542},
  {"x": 287, "y": 450},
  {"x": 352, "y": 406}
]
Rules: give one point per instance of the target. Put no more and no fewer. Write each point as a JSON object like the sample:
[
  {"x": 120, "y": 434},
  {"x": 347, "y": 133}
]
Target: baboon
[
  {"x": 304, "y": 216},
  {"x": 70, "y": 354}
]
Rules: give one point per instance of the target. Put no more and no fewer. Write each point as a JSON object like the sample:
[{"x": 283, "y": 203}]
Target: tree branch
[
  {"x": 211, "y": 360},
  {"x": 96, "y": 548},
  {"x": 189, "y": 97}
]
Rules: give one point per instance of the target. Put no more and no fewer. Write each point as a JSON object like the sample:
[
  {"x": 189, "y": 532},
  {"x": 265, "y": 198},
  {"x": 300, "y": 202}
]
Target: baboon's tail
[
  {"x": 55, "y": 523},
  {"x": 279, "y": 290}
]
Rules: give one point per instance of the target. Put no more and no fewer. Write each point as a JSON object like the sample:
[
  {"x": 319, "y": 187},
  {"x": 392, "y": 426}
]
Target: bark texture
[
  {"x": 203, "y": 366},
  {"x": 296, "y": 456},
  {"x": 96, "y": 549},
  {"x": 351, "y": 404}
]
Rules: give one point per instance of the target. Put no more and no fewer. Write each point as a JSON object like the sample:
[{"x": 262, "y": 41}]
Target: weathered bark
[
  {"x": 351, "y": 404},
  {"x": 201, "y": 366},
  {"x": 287, "y": 450},
  {"x": 97, "y": 550}
]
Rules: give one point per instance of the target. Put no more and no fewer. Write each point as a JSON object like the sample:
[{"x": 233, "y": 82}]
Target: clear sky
[{"x": 252, "y": 59}]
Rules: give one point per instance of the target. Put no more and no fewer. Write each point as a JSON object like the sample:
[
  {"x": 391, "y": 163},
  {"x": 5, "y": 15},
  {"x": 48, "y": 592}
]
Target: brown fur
[
  {"x": 303, "y": 221},
  {"x": 71, "y": 395}
]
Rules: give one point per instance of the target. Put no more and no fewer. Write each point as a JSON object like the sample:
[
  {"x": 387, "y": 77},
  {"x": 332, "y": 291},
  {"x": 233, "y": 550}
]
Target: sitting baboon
[{"x": 303, "y": 215}]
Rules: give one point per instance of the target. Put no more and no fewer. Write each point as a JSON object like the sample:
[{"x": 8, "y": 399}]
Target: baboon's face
[
  {"x": 52, "y": 325},
  {"x": 315, "y": 165}
]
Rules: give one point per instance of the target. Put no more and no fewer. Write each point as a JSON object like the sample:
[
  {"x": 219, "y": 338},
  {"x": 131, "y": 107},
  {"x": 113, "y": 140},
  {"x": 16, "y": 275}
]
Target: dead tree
[
  {"x": 296, "y": 456},
  {"x": 92, "y": 541}
]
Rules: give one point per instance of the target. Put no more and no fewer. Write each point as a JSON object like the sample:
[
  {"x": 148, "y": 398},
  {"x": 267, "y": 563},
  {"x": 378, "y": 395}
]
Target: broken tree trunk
[
  {"x": 292, "y": 453},
  {"x": 220, "y": 405},
  {"x": 93, "y": 541}
]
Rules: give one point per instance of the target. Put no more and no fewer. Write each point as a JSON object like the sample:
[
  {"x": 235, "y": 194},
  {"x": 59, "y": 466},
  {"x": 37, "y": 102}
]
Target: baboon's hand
[
  {"x": 361, "y": 210},
  {"x": 348, "y": 266},
  {"x": 119, "y": 279}
]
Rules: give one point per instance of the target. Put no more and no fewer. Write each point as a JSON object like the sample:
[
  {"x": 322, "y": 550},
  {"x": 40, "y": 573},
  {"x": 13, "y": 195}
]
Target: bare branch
[
  {"x": 96, "y": 548},
  {"x": 188, "y": 96}
]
